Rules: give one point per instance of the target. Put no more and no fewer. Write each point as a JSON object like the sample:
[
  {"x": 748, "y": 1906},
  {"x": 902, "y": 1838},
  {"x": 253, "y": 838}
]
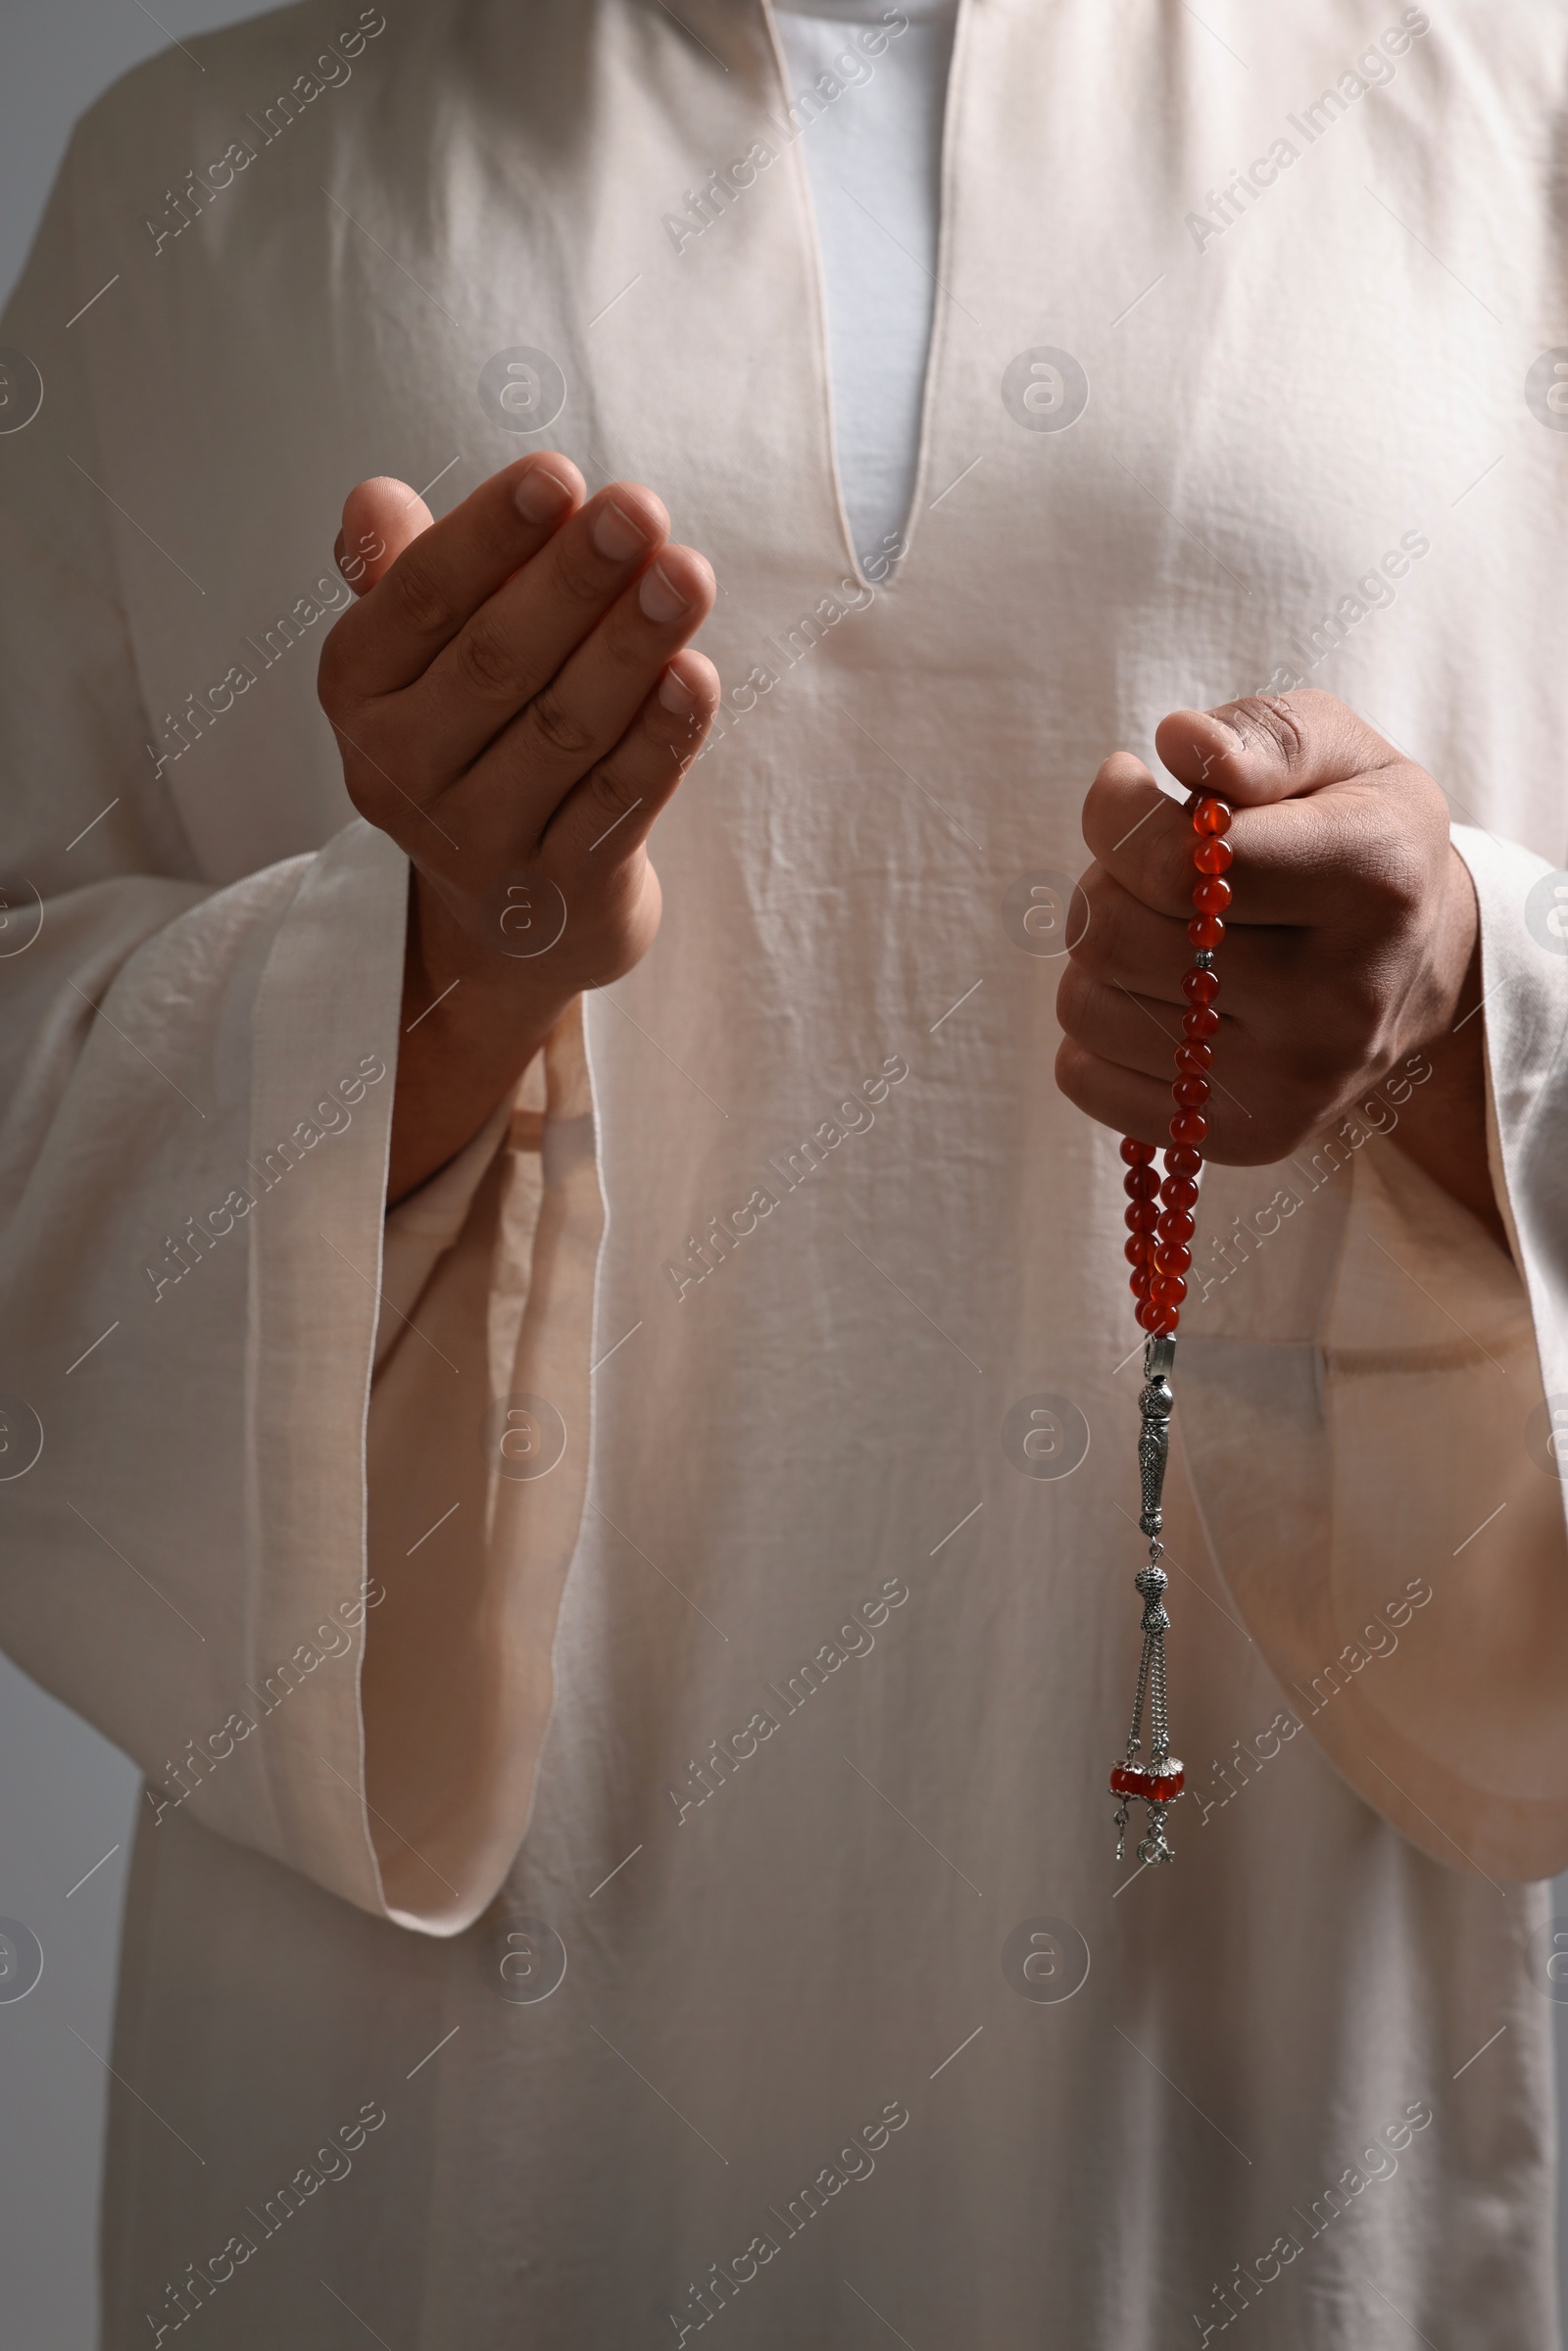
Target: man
[{"x": 626, "y": 1847}]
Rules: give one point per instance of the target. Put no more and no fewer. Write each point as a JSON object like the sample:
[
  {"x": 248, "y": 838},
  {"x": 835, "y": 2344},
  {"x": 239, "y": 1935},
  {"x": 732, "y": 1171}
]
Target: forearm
[{"x": 475, "y": 1495}]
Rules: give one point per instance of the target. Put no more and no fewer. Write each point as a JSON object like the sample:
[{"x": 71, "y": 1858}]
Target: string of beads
[
  {"x": 1159, "y": 1215},
  {"x": 1159, "y": 1236}
]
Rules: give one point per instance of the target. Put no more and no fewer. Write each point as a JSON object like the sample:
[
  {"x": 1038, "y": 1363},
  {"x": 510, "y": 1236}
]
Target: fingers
[
  {"x": 1247, "y": 1126},
  {"x": 1124, "y": 1099},
  {"x": 512, "y": 648},
  {"x": 1116, "y": 1024},
  {"x": 1339, "y": 852},
  {"x": 1126, "y": 944},
  {"x": 1144, "y": 840},
  {"x": 593, "y": 858},
  {"x": 1140, "y": 836},
  {"x": 442, "y": 571},
  {"x": 1328, "y": 857},
  {"x": 1119, "y": 1044},
  {"x": 380, "y": 519},
  {"x": 1270, "y": 747},
  {"x": 582, "y": 715},
  {"x": 607, "y": 818}
]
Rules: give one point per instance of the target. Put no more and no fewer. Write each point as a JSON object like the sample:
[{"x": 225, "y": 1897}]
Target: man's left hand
[{"x": 1351, "y": 941}]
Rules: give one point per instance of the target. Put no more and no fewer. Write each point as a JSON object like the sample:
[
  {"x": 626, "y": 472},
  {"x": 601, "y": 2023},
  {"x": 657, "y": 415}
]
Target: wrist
[
  {"x": 472, "y": 1019},
  {"x": 522, "y": 995}
]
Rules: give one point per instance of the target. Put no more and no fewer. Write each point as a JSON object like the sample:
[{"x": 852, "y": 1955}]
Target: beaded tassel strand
[{"x": 1159, "y": 1229}]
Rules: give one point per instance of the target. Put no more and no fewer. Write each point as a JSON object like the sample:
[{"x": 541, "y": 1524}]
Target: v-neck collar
[{"x": 807, "y": 219}]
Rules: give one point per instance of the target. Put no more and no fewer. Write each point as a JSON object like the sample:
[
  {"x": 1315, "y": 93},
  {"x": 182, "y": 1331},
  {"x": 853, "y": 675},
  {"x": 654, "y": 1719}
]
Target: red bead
[
  {"x": 1189, "y": 1126},
  {"x": 1141, "y": 1780},
  {"x": 1164, "y": 1320},
  {"x": 1143, "y": 1278},
  {"x": 1146, "y": 1315},
  {"x": 1212, "y": 856},
  {"x": 1183, "y": 1163},
  {"x": 1190, "y": 1094},
  {"x": 1199, "y": 1020},
  {"x": 1194, "y": 1059},
  {"x": 1211, "y": 817},
  {"x": 1140, "y": 1183},
  {"x": 1173, "y": 1257},
  {"x": 1140, "y": 1250},
  {"x": 1141, "y": 1216},
  {"x": 1167, "y": 1289},
  {"x": 1212, "y": 895},
  {"x": 1205, "y": 931},
  {"x": 1179, "y": 1191},
  {"x": 1200, "y": 987},
  {"x": 1175, "y": 1228},
  {"x": 1136, "y": 1154}
]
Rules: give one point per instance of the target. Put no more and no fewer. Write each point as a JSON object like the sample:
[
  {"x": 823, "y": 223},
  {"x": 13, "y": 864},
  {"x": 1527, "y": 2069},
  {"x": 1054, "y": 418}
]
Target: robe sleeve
[
  {"x": 197, "y": 1088},
  {"x": 196, "y": 1083},
  {"x": 1376, "y": 1426}
]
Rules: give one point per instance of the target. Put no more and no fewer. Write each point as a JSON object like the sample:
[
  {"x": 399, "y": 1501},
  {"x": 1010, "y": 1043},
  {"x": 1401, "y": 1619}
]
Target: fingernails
[
  {"x": 616, "y": 535},
  {"x": 661, "y": 601},
  {"x": 676, "y": 695},
  {"x": 540, "y": 495}
]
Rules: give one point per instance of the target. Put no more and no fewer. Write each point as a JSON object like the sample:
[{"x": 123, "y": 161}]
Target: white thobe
[{"x": 719, "y": 1998}]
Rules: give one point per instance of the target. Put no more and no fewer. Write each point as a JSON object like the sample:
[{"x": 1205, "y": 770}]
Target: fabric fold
[
  {"x": 1370, "y": 1444},
  {"x": 195, "y": 1157}
]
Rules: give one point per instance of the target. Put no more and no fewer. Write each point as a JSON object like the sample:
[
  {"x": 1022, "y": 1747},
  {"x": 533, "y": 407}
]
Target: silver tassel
[{"x": 1159, "y": 1780}]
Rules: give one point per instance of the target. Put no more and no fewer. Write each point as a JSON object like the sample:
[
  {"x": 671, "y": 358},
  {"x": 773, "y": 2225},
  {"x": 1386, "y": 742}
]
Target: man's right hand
[{"x": 515, "y": 701}]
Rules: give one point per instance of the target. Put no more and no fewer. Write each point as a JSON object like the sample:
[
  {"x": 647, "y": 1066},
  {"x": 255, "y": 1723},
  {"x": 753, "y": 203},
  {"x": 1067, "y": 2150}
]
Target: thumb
[
  {"x": 1270, "y": 747},
  {"x": 380, "y": 517}
]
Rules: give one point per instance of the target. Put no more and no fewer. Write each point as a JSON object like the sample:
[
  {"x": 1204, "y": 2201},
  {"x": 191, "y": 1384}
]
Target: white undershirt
[{"x": 873, "y": 156}]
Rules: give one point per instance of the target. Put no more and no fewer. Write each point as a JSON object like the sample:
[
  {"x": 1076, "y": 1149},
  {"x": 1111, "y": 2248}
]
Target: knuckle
[
  {"x": 496, "y": 528},
  {"x": 419, "y": 600},
  {"x": 675, "y": 733},
  {"x": 557, "y": 728},
  {"x": 580, "y": 580},
  {"x": 1267, "y": 720},
  {"x": 488, "y": 663},
  {"x": 1398, "y": 882},
  {"x": 616, "y": 645},
  {"x": 683, "y": 739},
  {"x": 612, "y": 799}
]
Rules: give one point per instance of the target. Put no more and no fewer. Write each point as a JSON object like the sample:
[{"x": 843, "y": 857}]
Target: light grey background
[{"x": 67, "y": 1799}]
